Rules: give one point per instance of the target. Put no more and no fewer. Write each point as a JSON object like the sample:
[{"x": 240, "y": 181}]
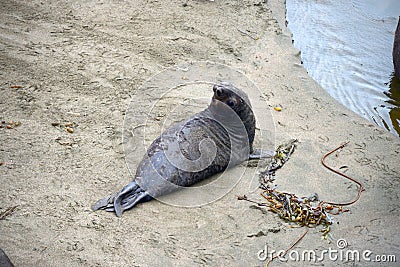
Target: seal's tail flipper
[{"x": 125, "y": 199}]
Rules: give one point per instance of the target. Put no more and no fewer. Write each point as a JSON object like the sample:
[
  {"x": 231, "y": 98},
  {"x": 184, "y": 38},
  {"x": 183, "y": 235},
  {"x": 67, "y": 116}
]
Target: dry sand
[{"x": 81, "y": 61}]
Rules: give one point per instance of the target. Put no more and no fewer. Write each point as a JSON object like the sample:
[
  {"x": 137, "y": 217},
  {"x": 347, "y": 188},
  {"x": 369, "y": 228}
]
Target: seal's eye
[{"x": 231, "y": 103}]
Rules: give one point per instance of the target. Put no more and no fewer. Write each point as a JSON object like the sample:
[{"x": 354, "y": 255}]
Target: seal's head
[
  {"x": 227, "y": 97},
  {"x": 225, "y": 94}
]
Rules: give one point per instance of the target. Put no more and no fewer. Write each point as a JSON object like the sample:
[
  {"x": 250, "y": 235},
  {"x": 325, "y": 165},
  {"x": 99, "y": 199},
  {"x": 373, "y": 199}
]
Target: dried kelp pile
[{"x": 302, "y": 211}]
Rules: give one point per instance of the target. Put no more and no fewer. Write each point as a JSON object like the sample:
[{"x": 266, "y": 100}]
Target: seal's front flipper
[
  {"x": 261, "y": 154},
  {"x": 125, "y": 199}
]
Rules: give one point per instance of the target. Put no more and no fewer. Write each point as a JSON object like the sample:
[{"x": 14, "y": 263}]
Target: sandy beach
[{"x": 69, "y": 72}]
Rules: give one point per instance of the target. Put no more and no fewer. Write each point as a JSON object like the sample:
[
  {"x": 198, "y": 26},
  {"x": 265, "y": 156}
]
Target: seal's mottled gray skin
[
  {"x": 228, "y": 121},
  {"x": 4, "y": 260}
]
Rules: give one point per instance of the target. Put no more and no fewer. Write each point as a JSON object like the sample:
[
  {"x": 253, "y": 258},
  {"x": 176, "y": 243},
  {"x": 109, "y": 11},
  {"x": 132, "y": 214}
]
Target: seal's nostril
[{"x": 219, "y": 92}]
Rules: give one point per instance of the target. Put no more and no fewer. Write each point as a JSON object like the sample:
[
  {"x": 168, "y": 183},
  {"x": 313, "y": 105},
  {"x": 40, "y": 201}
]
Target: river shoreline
[{"x": 352, "y": 67}]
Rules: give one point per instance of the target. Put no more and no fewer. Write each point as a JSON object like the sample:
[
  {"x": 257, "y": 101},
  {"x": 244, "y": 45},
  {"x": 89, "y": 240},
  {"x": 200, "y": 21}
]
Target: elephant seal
[
  {"x": 4, "y": 260},
  {"x": 217, "y": 138},
  {"x": 396, "y": 50}
]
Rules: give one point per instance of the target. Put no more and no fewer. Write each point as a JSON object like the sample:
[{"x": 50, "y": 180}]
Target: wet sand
[{"x": 81, "y": 62}]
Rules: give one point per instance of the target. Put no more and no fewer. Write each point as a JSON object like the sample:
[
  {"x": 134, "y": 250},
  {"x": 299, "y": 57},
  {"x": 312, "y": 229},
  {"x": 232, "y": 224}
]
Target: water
[{"x": 346, "y": 46}]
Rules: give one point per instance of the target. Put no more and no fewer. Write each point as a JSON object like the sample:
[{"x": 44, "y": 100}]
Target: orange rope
[
  {"x": 287, "y": 250},
  {"x": 344, "y": 175}
]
